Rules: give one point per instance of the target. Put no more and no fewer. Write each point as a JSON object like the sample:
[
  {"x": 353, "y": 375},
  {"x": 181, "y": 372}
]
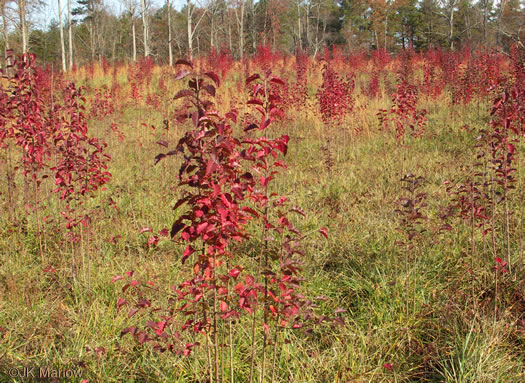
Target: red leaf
[
  {"x": 143, "y": 337},
  {"x": 145, "y": 229},
  {"x": 283, "y": 148},
  {"x": 183, "y": 93},
  {"x": 132, "y": 312},
  {"x": 388, "y": 366},
  {"x": 214, "y": 77},
  {"x": 121, "y": 302},
  {"x": 253, "y": 77},
  {"x": 201, "y": 227},
  {"x": 324, "y": 232},
  {"x": 277, "y": 80},
  {"x": 255, "y": 101},
  {"x": 239, "y": 287},
  {"x": 189, "y": 251},
  {"x": 250, "y": 127},
  {"x": 117, "y": 278},
  {"x": 183, "y": 73},
  {"x": 264, "y": 180},
  {"x": 232, "y": 115},
  {"x": 210, "y": 89},
  {"x": 250, "y": 210},
  {"x": 177, "y": 226},
  {"x": 298, "y": 210},
  {"x": 265, "y": 124},
  {"x": 234, "y": 273},
  {"x": 223, "y": 306},
  {"x": 184, "y": 62},
  {"x": 159, "y": 157},
  {"x": 180, "y": 202},
  {"x": 153, "y": 241}
]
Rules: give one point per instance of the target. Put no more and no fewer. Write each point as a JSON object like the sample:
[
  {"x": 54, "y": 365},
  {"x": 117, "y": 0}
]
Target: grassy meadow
[{"x": 431, "y": 309}]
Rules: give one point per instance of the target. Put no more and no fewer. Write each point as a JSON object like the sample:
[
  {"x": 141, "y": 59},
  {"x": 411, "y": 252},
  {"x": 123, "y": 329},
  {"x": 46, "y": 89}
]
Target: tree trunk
[
  {"x": 91, "y": 28},
  {"x": 254, "y": 30},
  {"x": 113, "y": 51},
  {"x": 5, "y": 37},
  {"x": 179, "y": 48},
  {"x": 502, "y": 6},
  {"x": 230, "y": 34},
  {"x": 4, "y": 29},
  {"x": 23, "y": 26},
  {"x": 212, "y": 31},
  {"x": 451, "y": 9},
  {"x": 386, "y": 31},
  {"x": 468, "y": 26},
  {"x": 240, "y": 24},
  {"x": 317, "y": 30},
  {"x": 190, "y": 32},
  {"x": 485, "y": 12},
  {"x": 170, "y": 50},
  {"x": 146, "y": 28},
  {"x": 307, "y": 15},
  {"x": 70, "y": 33},
  {"x": 133, "y": 32},
  {"x": 62, "y": 44},
  {"x": 451, "y": 29},
  {"x": 265, "y": 22},
  {"x": 241, "y": 33},
  {"x": 134, "y": 40},
  {"x": 299, "y": 39}
]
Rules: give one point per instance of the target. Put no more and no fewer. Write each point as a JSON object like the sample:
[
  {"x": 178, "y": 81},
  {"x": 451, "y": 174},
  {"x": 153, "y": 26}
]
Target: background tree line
[{"x": 87, "y": 30}]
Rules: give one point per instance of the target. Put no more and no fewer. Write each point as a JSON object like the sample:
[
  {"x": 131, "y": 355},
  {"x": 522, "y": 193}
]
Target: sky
[{"x": 49, "y": 13}]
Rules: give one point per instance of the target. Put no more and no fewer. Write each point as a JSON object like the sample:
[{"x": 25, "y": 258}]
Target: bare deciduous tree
[
  {"x": 61, "y": 29},
  {"x": 448, "y": 11},
  {"x": 23, "y": 24},
  {"x": 190, "y": 9},
  {"x": 70, "y": 33},
  {"x": 239, "y": 7},
  {"x": 170, "y": 49},
  {"x": 145, "y": 24},
  {"x": 5, "y": 35}
]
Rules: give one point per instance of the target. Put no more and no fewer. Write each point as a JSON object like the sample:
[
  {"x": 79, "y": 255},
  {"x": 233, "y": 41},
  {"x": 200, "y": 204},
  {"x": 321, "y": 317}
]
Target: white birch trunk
[
  {"x": 146, "y": 28},
  {"x": 170, "y": 49},
  {"x": 62, "y": 44},
  {"x": 70, "y": 33}
]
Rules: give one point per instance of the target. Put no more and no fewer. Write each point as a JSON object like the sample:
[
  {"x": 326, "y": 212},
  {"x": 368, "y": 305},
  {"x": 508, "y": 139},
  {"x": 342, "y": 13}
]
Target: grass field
[{"x": 432, "y": 309}]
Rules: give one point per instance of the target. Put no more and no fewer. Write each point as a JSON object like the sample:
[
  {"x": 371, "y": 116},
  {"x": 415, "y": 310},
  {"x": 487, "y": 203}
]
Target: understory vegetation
[{"x": 352, "y": 218}]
